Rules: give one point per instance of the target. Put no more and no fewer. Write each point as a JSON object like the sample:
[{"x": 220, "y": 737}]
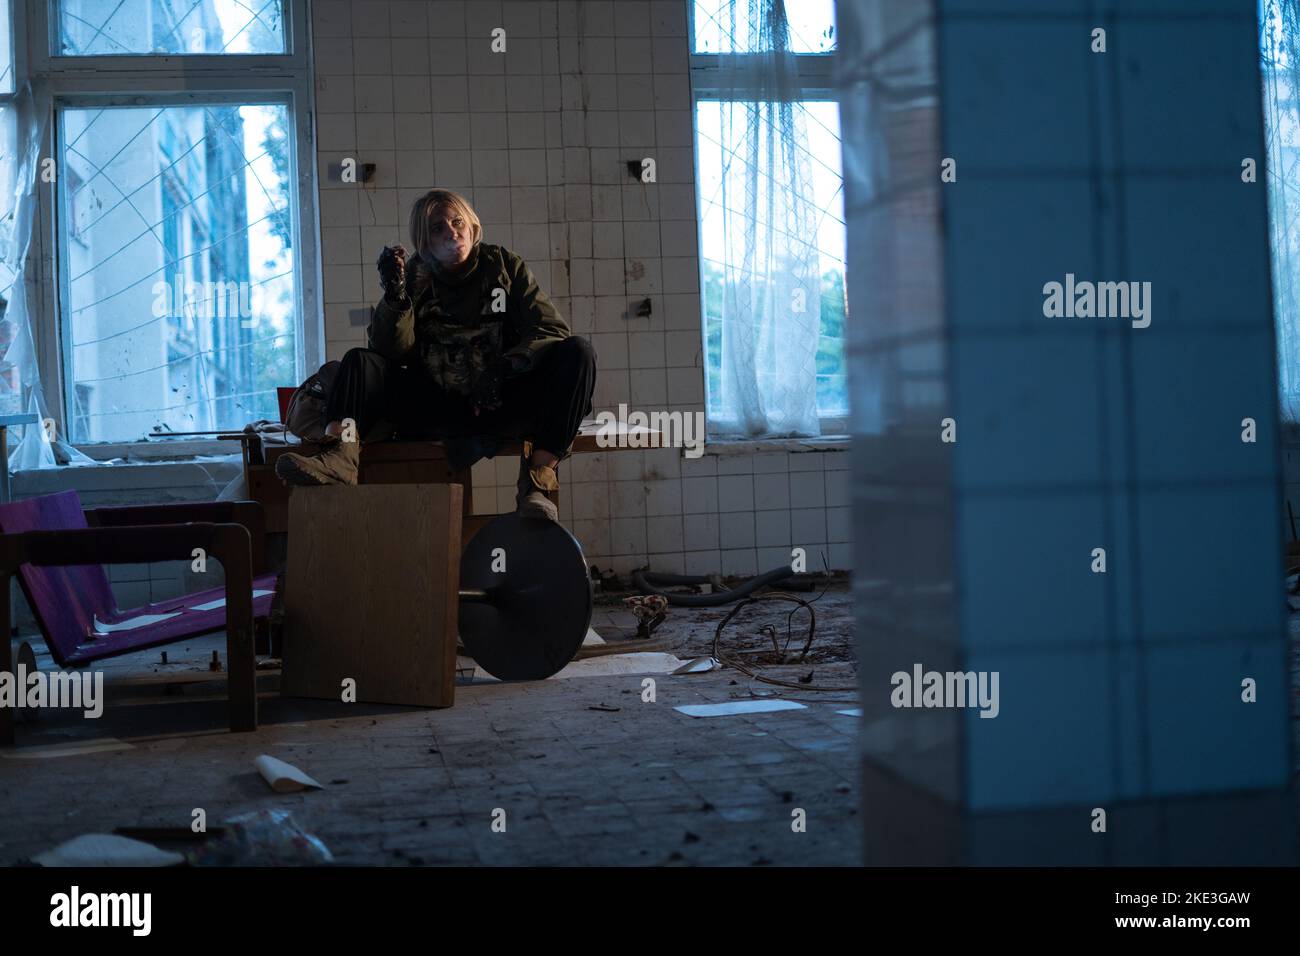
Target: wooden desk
[{"x": 400, "y": 463}]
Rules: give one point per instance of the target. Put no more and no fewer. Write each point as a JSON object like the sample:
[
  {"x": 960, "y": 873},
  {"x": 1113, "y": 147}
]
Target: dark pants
[{"x": 545, "y": 404}]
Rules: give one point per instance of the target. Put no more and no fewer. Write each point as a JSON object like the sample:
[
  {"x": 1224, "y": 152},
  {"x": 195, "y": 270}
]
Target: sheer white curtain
[
  {"x": 1280, "y": 63},
  {"x": 765, "y": 210}
]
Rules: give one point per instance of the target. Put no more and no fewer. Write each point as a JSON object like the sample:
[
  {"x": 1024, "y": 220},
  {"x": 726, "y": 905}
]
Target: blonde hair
[
  {"x": 421, "y": 212},
  {"x": 424, "y": 208}
]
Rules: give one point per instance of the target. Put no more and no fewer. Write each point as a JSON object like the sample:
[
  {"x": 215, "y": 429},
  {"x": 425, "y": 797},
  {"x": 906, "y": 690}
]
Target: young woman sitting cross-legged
[{"x": 463, "y": 344}]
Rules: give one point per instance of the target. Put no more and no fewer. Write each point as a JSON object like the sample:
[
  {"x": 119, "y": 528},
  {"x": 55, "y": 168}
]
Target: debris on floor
[
  {"x": 106, "y": 849},
  {"x": 283, "y": 777},
  {"x": 262, "y": 838},
  {"x": 698, "y": 665},
  {"x": 582, "y": 787},
  {"x": 730, "y": 708},
  {"x": 65, "y": 750}
]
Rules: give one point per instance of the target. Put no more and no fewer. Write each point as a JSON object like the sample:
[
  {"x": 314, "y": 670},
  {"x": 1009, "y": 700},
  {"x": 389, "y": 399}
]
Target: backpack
[{"x": 306, "y": 416}]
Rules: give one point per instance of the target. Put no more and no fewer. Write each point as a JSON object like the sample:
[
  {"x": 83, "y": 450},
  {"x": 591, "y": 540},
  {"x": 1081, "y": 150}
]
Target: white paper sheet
[
  {"x": 603, "y": 665},
  {"x": 221, "y": 602},
  {"x": 131, "y": 623},
  {"x": 283, "y": 777},
  {"x": 738, "y": 707},
  {"x": 640, "y": 662}
]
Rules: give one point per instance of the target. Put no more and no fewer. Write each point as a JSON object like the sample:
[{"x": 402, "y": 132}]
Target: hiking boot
[
  {"x": 535, "y": 481},
  {"x": 335, "y": 464}
]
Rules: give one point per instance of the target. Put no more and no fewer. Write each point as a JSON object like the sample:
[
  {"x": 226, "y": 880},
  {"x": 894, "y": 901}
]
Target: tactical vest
[{"x": 456, "y": 346}]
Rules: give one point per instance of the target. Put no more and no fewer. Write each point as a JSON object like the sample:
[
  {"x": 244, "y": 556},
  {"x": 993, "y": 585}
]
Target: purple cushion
[
  {"x": 66, "y": 601},
  {"x": 181, "y": 627}
]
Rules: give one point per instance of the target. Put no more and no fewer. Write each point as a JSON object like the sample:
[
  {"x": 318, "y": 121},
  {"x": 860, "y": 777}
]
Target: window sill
[
  {"x": 744, "y": 446},
  {"x": 163, "y": 450},
  {"x": 133, "y": 481}
]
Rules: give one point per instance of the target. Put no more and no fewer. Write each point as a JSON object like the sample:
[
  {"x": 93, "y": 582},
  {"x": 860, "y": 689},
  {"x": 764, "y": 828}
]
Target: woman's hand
[{"x": 392, "y": 272}]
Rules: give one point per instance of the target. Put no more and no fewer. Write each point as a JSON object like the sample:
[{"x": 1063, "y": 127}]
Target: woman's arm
[
  {"x": 391, "y": 332},
  {"x": 533, "y": 317}
]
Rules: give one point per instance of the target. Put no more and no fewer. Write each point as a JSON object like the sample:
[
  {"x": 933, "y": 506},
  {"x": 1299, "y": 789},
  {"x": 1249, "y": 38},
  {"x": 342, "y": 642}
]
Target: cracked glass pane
[
  {"x": 732, "y": 26},
  {"x": 177, "y": 263},
  {"x": 169, "y": 27}
]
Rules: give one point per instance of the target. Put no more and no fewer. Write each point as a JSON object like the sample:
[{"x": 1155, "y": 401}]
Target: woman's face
[{"x": 450, "y": 236}]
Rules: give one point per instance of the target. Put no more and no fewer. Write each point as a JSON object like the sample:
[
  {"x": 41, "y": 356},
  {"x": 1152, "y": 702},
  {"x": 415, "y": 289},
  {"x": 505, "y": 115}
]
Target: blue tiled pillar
[{"x": 1119, "y": 690}]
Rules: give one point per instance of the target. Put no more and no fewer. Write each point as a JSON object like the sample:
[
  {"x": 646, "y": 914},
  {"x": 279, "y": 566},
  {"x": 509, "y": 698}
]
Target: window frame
[
  {"x": 41, "y": 38},
  {"x": 62, "y": 82},
  {"x": 714, "y": 76},
  {"x": 17, "y": 53}
]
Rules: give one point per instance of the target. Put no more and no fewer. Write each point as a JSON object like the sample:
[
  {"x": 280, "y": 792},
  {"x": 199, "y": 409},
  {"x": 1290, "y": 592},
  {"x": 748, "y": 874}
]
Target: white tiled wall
[
  {"x": 538, "y": 138},
  {"x": 976, "y": 554}
]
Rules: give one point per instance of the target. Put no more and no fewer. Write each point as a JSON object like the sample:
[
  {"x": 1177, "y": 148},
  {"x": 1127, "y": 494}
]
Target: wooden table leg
[{"x": 7, "y": 666}]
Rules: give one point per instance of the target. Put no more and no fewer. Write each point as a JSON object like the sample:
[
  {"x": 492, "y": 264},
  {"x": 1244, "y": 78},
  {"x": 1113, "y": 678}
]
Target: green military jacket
[{"x": 458, "y": 325}]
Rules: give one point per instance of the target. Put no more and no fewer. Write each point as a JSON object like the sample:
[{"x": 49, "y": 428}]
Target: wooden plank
[
  {"x": 404, "y": 472},
  {"x": 6, "y": 659},
  {"x": 272, "y": 494},
  {"x": 371, "y": 593}
]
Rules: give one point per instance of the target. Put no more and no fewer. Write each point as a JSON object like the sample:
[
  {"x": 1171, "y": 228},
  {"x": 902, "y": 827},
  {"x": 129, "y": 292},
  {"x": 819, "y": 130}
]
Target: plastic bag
[{"x": 262, "y": 838}]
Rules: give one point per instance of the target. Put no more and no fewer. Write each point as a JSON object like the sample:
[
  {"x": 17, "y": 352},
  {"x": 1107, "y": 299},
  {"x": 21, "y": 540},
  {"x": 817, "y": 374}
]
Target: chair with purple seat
[{"x": 58, "y": 551}]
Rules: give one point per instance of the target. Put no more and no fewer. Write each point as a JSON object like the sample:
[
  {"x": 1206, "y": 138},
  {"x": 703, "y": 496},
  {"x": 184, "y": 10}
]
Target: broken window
[
  {"x": 732, "y": 26},
  {"x": 178, "y": 296},
  {"x": 770, "y": 190},
  {"x": 177, "y": 257}
]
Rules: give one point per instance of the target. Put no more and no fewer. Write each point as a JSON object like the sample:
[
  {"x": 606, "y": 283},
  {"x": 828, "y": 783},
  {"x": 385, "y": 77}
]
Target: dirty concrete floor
[{"x": 580, "y": 781}]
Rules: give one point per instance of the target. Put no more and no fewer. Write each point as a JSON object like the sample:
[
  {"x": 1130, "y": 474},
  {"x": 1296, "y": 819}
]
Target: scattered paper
[
  {"x": 605, "y": 665},
  {"x": 639, "y": 662},
  {"x": 738, "y": 707},
  {"x": 141, "y": 620},
  {"x": 65, "y": 750},
  {"x": 283, "y": 777},
  {"x": 698, "y": 665},
  {"x": 851, "y": 712},
  {"x": 592, "y": 637},
  {"x": 107, "y": 849},
  {"x": 221, "y": 602}
]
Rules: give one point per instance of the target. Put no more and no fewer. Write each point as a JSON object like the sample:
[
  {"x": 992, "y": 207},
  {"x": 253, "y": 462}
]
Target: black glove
[
  {"x": 486, "y": 391},
  {"x": 392, "y": 273}
]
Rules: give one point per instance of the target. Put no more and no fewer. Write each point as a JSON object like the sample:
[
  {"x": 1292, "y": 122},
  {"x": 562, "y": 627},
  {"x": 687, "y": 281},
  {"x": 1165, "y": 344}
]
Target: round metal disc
[{"x": 540, "y": 606}]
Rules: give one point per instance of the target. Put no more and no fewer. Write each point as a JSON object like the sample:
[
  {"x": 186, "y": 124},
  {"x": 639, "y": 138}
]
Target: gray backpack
[{"x": 306, "y": 417}]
